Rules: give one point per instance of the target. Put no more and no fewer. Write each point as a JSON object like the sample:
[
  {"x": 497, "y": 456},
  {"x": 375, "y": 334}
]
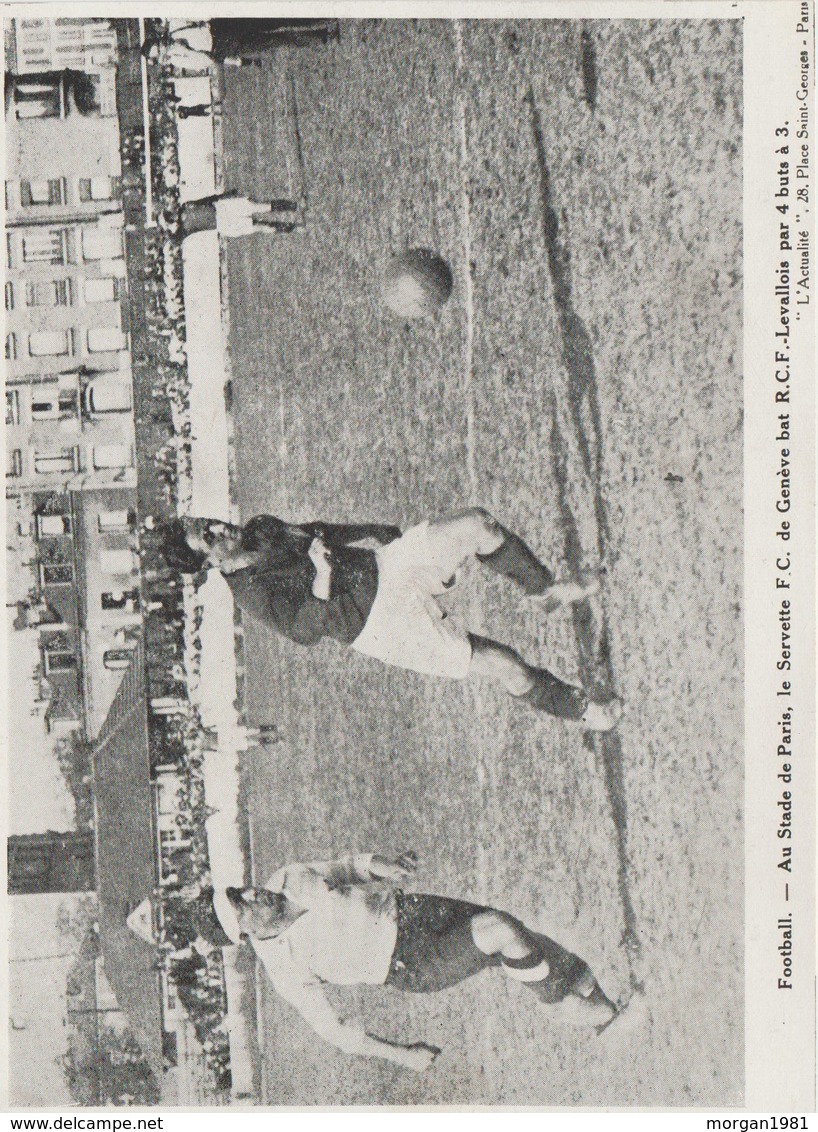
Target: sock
[
  {"x": 517, "y": 561},
  {"x": 533, "y": 968},
  {"x": 565, "y": 970},
  {"x": 554, "y": 696}
]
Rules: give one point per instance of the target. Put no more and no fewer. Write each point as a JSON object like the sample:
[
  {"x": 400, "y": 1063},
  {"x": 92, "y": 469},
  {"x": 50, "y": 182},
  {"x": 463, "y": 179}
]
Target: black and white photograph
[{"x": 376, "y": 438}]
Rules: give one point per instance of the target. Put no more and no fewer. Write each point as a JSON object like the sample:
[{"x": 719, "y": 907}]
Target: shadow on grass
[{"x": 595, "y": 666}]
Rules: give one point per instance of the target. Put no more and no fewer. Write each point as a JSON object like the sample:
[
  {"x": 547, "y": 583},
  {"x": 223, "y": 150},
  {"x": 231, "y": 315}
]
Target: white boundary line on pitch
[
  {"x": 468, "y": 289},
  {"x": 259, "y": 980}
]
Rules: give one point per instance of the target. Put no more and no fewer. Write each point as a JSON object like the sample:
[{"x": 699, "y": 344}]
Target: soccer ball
[{"x": 416, "y": 283}]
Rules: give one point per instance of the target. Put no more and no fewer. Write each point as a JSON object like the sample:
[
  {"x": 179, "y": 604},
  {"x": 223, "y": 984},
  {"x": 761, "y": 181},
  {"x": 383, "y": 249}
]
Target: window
[
  {"x": 11, "y": 347},
  {"x": 99, "y": 188},
  {"x": 12, "y": 407},
  {"x": 53, "y": 525},
  {"x": 43, "y": 192},
  {"x": 49, "y": 293},
  {"x": 107, "y": 395},
  {"x": 103, "y": 290},
  {"x": 9, "y": 250},
  {"x": 112, "y": 456},
  {"x": 106, "y": 339},
  {"x": 14, "y": 463},
  {"x": 54, "y": 404},
  {"x": 114, "y": 520},
  {"x": 125, "y": 600},
  {"x": 39, "y": 96},
  {"x": 58, "y": 661},
  {"x": 56, "y": 574},
  {"x": 171, "y": 1001},
  {"x": 168, "y": 838},
  {"x": 49, "y": 245},
  {"x": 56, "y": 463},
  {"x": 67, "y": 403},
  {"x": 101, "y": 243},
  {"x": 116, "y": 562},
  {"x": 10, "y": 194},
  {"x": 57, "y": 642},
  {"x": 9, "y": 296},
  {"x": 44, "y": 406},
  {"x": 51, "y": 343},
  {"x": 117, "y": 659}
]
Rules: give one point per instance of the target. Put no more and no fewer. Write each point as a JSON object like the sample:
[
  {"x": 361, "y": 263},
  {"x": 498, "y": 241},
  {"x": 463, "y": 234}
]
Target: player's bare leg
[
  {"x": 476, "y": 533},
  {"x": 500, "y": 664},
  {"x": 496, "y": 933}
]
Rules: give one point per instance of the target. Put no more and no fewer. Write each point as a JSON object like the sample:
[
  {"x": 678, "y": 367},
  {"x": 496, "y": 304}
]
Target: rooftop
[{"x": 125, "y": 859}]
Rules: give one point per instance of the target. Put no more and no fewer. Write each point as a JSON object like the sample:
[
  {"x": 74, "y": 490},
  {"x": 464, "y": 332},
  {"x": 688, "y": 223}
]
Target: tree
[
  {"x": 104, "y": 1066},
  {"x": 75, "y": 759},
  {"x": 75, "y": 921}
]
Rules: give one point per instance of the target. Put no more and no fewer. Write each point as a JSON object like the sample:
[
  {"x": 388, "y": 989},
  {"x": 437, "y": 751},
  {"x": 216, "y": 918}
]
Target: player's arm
[
  {"x": 325, "y": 536},
  {"x": 343, "y": 534},
  {"x": 320, "y": 556},
  {"x": 358, "y": 868},
  {"x": 394, "y": 868},
  {"x": 314, "y": 1007}
]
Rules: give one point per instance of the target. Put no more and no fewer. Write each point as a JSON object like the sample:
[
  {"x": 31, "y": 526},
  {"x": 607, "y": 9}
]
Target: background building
[
  {"x": 37, "y": 45},
  {"x": 69, "y": 402},
  {"x": 68, "y": 398},
  {"x": 73, "y": 608}
]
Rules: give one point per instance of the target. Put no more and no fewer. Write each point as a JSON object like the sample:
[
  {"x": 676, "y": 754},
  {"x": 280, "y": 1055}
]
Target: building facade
[
  {"x": 70, "y": 441},
  {"x": 76, "y": 615},
  {"x": 69, "y": 415},
  {"x": 110, "y": 611},
  {"x": 35, "y": 45},
  {"x": 68, "y": 377},
  {"x": 83, "y": 601},
  {"x": 74, "y": 612}
]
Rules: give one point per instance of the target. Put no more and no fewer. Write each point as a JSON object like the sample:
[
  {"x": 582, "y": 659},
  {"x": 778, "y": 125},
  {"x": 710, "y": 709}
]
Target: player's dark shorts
[{"x": 435, "y": 948}]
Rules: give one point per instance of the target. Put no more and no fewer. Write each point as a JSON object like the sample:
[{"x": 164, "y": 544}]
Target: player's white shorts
[
  {"x": 234, "y": 216},
  {"x": 406, "y": 625}
]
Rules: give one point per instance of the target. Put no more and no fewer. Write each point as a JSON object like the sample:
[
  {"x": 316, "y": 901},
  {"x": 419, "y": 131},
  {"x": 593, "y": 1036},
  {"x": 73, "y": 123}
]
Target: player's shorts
[
  {"x": 234, "y": 216},
  {"x": 435, "y": 948},
  {"x": 406, "y": 625}
]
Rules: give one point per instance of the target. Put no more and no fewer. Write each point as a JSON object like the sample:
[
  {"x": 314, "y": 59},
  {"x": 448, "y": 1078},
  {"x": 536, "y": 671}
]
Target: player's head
[
  {"x": 192, "y": 545},
  {"x": 253, "y": 913}
]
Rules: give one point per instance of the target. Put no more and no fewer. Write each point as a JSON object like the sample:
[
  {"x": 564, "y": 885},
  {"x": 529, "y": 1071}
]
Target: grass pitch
[{"x": 584, "y": 383}]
